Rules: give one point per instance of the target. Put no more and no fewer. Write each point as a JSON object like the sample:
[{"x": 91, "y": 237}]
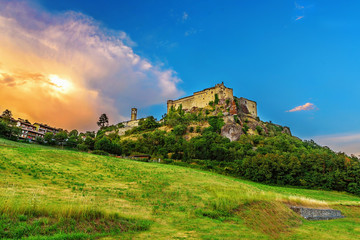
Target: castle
[{"x": 204, "y": 98}]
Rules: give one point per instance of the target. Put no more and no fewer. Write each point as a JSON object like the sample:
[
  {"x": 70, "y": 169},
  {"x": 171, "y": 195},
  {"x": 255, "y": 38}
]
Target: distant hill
[{"x": 240, "y": 145}]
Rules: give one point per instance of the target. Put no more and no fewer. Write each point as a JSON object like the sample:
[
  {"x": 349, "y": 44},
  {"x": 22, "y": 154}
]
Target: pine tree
[{"x": 103, "y": 121}]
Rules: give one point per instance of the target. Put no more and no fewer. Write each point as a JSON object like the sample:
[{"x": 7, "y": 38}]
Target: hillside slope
[{"x": 151, "y": 201}]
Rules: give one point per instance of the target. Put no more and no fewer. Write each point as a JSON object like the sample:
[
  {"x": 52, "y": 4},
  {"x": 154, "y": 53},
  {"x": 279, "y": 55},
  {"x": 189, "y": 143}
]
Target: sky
[{"x": 66, "y": 62}]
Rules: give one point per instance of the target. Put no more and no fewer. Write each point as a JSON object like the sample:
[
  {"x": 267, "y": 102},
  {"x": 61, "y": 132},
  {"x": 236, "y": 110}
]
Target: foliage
[
  {"x": 83, "y": 147},
  {"x": 191, "y": 129},
  {"x": 259, "y": 130},
  {"x": 105, "y": 144},
  {"x": 8, "y": 130},
  {"x": 49, "y": 138},
  {"x": 89, "y": 141},
  {"x": 60, "y": 137},
  {"x": 103, "y": 121},
  {"x": 74, "y": 133},
  {"x": 216, "y": 101},
  {"x": 245, "y": 128},
  {"x": 216, "y": 123},
  {"x": 148, "y": 123},
  {"x": 6, "y": 115},
  {"x": 180, "y": 129}
]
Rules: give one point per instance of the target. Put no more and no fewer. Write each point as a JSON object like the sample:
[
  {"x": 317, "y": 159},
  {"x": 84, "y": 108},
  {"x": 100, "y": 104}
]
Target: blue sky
[{"x": 282, "y": 54}]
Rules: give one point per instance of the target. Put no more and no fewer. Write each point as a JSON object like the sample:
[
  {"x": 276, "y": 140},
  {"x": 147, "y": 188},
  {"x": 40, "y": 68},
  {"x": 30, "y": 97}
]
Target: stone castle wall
[
  {"x": 251, "y": 106},
  {"x": 202, "y": 98}
]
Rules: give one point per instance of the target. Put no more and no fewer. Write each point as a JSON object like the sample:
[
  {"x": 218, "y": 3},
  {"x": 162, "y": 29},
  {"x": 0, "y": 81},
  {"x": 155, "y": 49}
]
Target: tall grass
[{"x": 77, "y": 221}]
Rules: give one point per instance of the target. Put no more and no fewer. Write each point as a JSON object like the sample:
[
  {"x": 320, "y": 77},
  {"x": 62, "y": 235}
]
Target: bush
[
  {"x": 245, "y": 128},
  {"x": 198, "y": 129},
  {"x": 179, "y": 130},
  {"x": 216, "y": 123},
  {"x": 83, "y": 147},
  {"x": 216, "y": 99},
  {"x": 191, "y": 129},
  {"x": 39, "y": 140},
  {"x": 259, "y": 130},
  {"x": 103, "y": 144}
]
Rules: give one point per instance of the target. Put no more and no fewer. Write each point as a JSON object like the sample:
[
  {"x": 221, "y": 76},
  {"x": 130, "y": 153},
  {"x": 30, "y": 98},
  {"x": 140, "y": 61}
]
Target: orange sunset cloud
[{"x": 66, "y": 69}]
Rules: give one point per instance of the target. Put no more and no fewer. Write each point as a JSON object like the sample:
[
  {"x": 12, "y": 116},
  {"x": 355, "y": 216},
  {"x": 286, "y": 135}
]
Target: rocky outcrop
[
  {"x": 231, "y": 131},
  {"x": 286, "y": 130},
  {"x": 317, "y": 214},
  {"x": 233, "y": 108}
]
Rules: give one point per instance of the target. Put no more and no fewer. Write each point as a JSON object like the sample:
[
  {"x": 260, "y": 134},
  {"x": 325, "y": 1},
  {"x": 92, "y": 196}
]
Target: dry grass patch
[{"x": 271, "y": 218}]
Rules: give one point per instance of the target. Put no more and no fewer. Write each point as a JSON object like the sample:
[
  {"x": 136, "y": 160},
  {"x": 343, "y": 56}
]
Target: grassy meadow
[{"x": 48, "y": 193}]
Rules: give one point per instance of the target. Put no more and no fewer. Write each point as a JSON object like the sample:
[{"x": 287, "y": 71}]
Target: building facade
[{"x": 202, "y": 99}]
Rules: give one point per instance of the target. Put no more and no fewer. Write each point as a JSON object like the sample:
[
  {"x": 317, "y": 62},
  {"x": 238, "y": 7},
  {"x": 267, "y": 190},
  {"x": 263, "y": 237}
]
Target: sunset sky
[{"x": 66, "y": 62}]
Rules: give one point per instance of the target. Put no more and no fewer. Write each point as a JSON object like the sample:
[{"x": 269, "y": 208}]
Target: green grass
[{"x": 48, "y": 193}]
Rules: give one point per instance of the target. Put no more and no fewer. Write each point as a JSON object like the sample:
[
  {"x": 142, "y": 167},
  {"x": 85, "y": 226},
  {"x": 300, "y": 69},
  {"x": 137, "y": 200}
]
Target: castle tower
[{"x": 133, "y": 114}]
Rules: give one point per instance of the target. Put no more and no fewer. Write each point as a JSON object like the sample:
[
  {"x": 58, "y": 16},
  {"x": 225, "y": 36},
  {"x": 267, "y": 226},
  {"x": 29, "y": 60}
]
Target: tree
[
  {"x": 61, "y": 137},
  {"x": 89, "y": 141},
  {"x": 103, "y": 121},
  {"x": 104, "y": 144},
  {"x": 74, "y": 133},
  {"x": 7, "y": 114},
  {"x": 48, "y": 137}
]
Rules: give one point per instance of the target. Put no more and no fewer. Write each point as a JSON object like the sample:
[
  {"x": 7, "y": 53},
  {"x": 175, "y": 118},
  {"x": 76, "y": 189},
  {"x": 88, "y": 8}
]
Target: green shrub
[
  {"x": 191, "y": 129},
  {"x": 245, "y": 128},
  {"x": 216, "y": 99},
  {"x": 216, "y": 123},
  {"x": 259, "y": 130},
  {"x": 179, "y": 130},
  {"x": 198, "y": 129},
  {"x": 83, "y": 147}
]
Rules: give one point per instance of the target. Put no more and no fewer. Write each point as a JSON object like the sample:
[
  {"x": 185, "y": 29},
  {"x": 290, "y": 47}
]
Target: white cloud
[
  {"x": 105, "y": 73},
  {"x": 305, "y": 107}
]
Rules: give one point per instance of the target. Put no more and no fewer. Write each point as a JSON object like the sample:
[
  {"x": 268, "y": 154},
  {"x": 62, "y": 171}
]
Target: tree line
[{"x": 270, "y": 157}]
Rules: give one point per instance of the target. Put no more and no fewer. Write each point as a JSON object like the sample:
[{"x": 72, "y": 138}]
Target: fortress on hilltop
[{"x": 220, "y": 93}]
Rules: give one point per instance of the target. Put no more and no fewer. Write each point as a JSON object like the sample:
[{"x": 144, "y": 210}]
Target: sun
[{"x": 59, "y": 84}]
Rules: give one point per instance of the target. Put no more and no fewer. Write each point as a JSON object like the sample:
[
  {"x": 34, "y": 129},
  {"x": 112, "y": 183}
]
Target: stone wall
[
  {"x": 128, "y": 125},
  {"x": 251, "y": 106},
  {"x": 202, "y": 98},
  {"x": 317, "y": 214}
]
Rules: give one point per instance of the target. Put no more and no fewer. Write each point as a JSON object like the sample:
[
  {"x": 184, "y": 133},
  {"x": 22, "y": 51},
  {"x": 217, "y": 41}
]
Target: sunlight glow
[{"x": 59, "y": 84}]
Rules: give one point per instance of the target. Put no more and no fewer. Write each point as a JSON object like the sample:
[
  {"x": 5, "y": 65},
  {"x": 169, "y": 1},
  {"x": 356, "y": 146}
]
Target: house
[{"x": 28, "y": 131}]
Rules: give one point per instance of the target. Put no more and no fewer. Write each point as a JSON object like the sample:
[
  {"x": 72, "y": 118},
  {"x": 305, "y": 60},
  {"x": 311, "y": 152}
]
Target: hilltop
[
  {"x": 240, "y": 145},
  {"x": 75, "y": 195}
]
